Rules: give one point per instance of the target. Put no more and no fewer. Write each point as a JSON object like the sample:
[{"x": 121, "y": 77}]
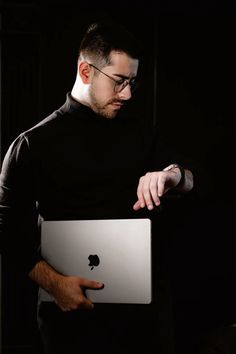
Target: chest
[{"x": 95, "y": 156}]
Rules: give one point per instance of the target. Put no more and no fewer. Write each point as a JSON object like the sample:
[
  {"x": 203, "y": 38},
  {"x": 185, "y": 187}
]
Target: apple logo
[{"x": 93, "y": 260}]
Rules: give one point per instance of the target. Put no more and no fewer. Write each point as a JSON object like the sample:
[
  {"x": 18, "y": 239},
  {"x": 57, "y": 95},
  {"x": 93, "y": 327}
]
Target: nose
[{"x": 125, "y": 94}]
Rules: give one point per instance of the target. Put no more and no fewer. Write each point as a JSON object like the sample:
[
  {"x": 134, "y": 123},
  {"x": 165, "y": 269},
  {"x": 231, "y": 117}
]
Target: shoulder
[
  {"x": 44, "y": 126},
  {"x": 36, "y": 136}
]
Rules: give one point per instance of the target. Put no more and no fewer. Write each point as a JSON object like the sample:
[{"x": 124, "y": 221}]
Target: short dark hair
[{"x": 102, "y": 38}]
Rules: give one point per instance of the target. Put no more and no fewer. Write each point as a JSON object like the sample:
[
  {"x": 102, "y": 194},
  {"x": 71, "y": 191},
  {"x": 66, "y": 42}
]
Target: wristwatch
[{"x": 182, "y": 172}]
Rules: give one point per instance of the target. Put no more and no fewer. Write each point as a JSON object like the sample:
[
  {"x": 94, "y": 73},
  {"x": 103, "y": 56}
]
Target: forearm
[
  {"x": 45, "y": 276},
  {"x": 68, "y": 291}
]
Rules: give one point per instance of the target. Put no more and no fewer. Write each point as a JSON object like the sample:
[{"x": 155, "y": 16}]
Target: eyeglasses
[{"x": 120, "y": 84}]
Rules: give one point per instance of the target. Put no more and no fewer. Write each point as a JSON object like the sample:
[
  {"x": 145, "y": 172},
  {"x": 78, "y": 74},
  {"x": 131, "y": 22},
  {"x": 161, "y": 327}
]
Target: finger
[
  {"x": 64, "y": 307},
  {"x": 91, "y": 284},
  {"x": 87, "y": 304},
  {"x": 140, "y": 193},
  {"x": 137, "y": 205},
  {"x": 81, "y": 302},
  {"x": 154, "y": 189},
  {"x": 161, "y": 185},
  {"x": 146, "y": 191}
]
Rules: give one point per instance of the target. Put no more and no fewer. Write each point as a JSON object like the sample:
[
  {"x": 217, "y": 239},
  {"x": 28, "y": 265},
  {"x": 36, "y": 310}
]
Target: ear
[{"x": 85, "y": 72}]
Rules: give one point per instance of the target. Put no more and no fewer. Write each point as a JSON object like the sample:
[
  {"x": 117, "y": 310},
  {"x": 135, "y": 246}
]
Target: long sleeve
[{"x": 18, "y": 213}]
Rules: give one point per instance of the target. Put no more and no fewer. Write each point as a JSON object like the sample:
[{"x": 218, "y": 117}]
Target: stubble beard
[{"x": 102, "y": 110}]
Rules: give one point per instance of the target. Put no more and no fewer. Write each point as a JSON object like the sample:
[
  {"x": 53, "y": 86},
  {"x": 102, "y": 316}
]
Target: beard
[{"x": 103, "y": 109}]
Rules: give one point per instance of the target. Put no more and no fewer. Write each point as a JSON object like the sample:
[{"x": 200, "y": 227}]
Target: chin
[
  {"x": 110, "y": 115},
  {"x": 106, "y": 113}
]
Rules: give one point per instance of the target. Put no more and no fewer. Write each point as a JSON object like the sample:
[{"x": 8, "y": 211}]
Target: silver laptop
[{"x": 114, "y": 252}]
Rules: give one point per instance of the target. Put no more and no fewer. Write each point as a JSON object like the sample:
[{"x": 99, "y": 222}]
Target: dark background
[{"x": 188, "y": 92}]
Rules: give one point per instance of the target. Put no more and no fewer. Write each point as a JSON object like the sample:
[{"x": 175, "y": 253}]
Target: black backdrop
[{"x": 187, "y": 91}]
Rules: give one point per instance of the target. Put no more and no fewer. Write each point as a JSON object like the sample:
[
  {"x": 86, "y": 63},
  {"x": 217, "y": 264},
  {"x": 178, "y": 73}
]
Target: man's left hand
[{"x": 154, "y": 185}]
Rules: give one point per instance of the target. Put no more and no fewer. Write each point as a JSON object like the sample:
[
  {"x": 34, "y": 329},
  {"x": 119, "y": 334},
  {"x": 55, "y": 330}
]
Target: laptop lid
[{"x": 114, "y": 252}]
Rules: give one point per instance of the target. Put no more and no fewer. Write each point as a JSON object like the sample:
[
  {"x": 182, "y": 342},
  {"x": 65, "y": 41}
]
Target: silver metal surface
[{"x": 124, "y": 250}]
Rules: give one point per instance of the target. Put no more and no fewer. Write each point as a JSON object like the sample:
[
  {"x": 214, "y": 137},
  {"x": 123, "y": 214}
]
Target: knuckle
[
  {"x": 156, "y": 174},
  {"x": 141, "y": 179}
]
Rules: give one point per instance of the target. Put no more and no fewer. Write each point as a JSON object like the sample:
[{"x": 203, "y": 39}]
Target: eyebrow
[{"x": 124, "y": 77}]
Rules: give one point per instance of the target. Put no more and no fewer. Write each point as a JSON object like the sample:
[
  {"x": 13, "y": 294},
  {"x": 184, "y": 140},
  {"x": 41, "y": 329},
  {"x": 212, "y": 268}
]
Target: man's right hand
[{"x": 68, "y": 291}]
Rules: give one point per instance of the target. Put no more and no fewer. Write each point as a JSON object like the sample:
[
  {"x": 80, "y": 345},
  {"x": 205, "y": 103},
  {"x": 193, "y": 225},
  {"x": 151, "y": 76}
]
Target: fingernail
[{"x": 150, "y": 207}]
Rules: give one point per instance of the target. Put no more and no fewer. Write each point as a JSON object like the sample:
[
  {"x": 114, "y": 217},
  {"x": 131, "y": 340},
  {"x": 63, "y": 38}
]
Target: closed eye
[{"x": 121, "y": 81}]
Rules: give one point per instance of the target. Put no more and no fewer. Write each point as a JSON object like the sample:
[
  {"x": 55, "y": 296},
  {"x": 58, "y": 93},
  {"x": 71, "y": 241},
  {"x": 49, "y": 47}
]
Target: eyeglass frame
[{"x": 126, "y": 82}]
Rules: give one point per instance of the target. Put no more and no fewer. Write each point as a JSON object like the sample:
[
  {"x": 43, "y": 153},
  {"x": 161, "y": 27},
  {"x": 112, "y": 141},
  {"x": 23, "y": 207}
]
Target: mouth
[{"x": 117, "y": 105}]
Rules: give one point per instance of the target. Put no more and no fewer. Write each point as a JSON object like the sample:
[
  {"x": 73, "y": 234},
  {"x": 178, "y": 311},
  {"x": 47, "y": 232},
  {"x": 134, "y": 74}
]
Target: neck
[{"x": 80, "y": 93}]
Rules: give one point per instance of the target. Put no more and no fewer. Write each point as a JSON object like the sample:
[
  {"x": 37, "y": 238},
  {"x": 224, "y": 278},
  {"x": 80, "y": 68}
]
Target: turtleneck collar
[{"x": 73, "y": 106}]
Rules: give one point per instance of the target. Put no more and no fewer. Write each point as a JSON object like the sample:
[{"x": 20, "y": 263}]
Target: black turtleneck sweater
[{"x": 74, "y": 164}]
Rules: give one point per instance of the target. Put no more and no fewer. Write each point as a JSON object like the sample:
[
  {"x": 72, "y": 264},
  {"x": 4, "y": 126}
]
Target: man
[{"x": 87, "y": 161}]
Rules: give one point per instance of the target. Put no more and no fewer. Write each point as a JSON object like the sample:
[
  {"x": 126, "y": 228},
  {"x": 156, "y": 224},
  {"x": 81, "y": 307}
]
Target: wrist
[
  {"x": 46, "y": 277},
  {"x": 181, "y": 170}
]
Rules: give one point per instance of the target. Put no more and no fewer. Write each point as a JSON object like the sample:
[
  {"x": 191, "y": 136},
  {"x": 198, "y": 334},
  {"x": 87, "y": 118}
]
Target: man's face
[{"x": 106, "y": 98}]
